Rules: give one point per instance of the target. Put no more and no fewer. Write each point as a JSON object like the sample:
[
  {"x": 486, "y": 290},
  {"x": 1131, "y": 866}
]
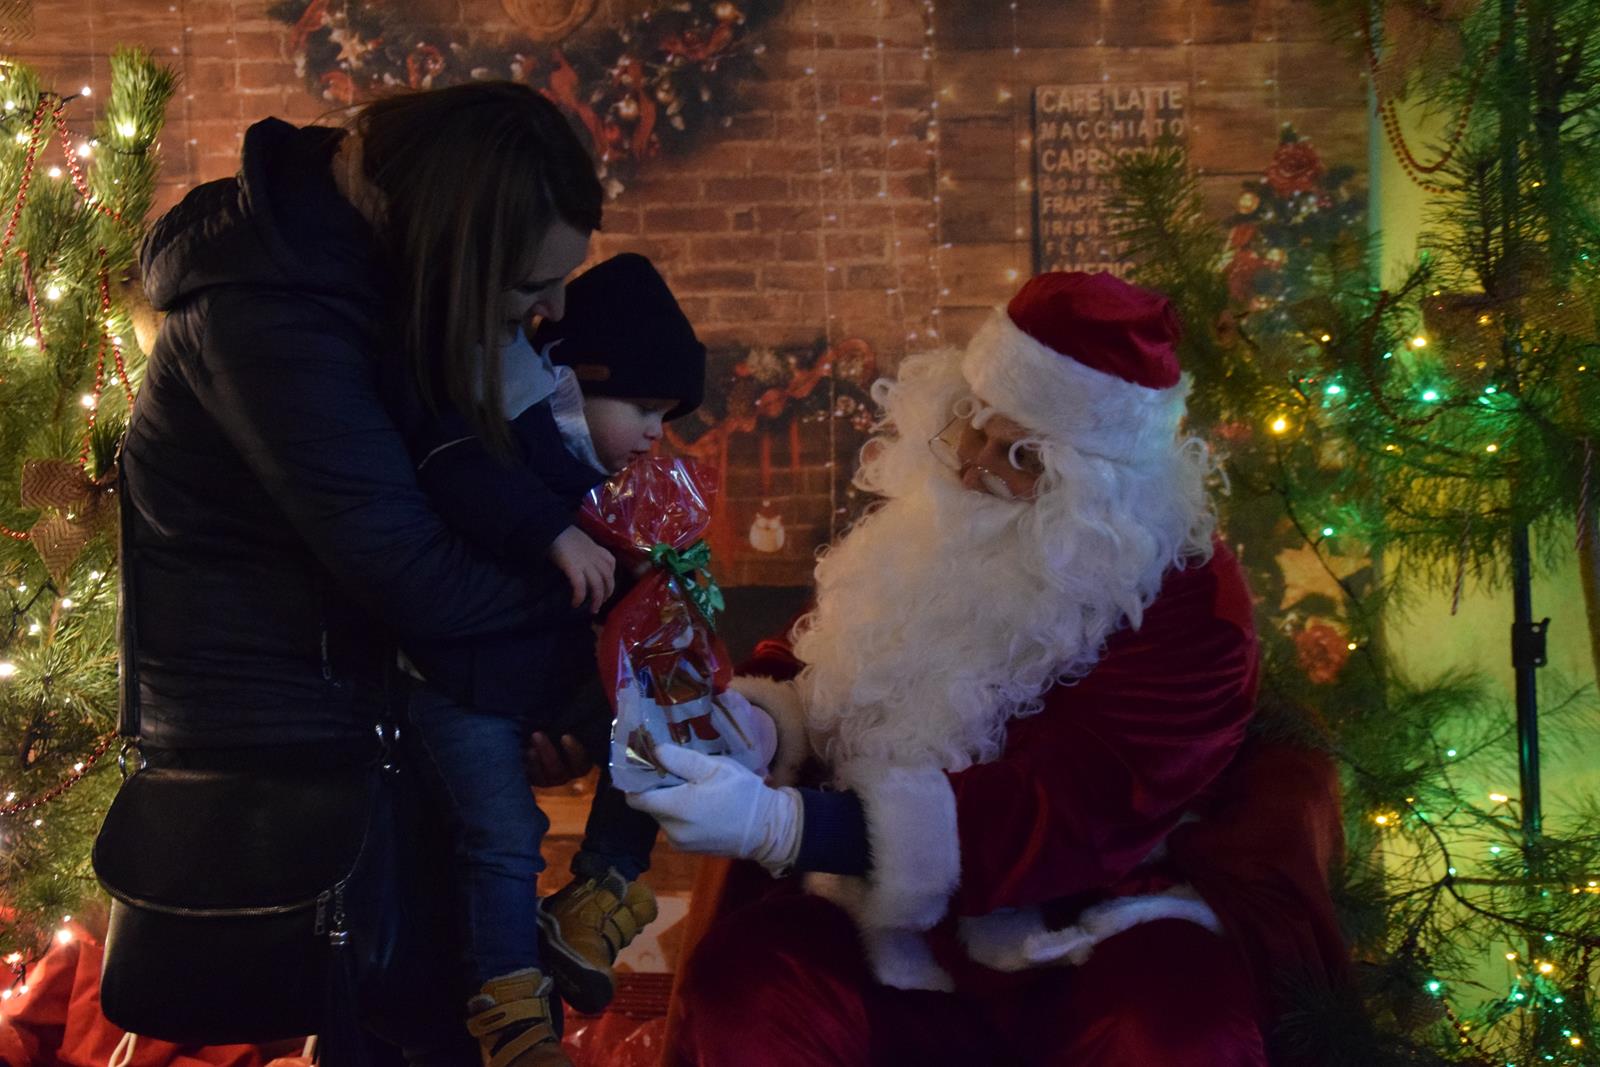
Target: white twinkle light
[
  {"x": 55, "y": 172},
  {"x": 87, "y": 400},
  {"x": 64, "y": 937},
  {"x": 86, "y": 91},
  {"x": 7, "y": 669},
  {"x": 84, "y": 151},
  {"x": 53, "y": 293}
]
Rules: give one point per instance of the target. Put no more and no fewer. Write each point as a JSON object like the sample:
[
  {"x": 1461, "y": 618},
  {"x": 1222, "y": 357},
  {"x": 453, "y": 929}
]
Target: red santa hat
[{"x": 1087, "y": 359}]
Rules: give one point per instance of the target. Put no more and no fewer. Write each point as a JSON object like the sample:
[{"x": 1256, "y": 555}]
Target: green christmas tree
[
  {"x": 74, "y": 205},
  {"x": 1381, "y": 441}
]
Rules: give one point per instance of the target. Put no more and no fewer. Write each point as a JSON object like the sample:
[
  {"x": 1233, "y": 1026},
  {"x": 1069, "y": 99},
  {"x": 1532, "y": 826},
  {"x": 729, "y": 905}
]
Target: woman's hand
[
  {"x": 591, "y": 570},
  {"x": 548, "y": 765}
]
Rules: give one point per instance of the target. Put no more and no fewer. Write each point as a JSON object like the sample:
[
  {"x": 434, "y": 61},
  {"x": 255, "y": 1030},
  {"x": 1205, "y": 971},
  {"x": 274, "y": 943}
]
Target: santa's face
[{"x": 989, "y": 452}]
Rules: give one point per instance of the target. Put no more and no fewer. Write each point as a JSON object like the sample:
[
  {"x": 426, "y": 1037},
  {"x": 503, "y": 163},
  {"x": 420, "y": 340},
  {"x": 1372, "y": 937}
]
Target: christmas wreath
[{"x": 650, "y": 85}]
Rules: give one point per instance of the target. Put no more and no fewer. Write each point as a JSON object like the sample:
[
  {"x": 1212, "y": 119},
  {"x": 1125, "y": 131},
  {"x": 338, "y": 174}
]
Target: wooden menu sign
[{"x": 1079, "y": 132}]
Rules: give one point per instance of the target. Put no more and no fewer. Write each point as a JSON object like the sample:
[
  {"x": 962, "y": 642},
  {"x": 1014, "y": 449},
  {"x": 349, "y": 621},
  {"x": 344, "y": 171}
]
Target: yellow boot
[
  {"x": 584, "y": 926},
  {"x": 511, "y": 1019}
]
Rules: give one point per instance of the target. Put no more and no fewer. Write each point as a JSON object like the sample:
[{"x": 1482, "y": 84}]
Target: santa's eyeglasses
[{"x": 961, "y": 446}]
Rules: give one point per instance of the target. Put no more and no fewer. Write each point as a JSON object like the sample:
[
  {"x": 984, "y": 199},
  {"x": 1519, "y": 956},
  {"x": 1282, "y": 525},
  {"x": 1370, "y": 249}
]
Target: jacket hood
[{"x": 280, "y": 223}]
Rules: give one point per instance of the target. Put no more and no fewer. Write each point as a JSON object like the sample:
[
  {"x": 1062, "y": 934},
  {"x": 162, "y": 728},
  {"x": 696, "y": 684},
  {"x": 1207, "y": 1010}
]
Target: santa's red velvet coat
[{"x": 1125, "y": 800}]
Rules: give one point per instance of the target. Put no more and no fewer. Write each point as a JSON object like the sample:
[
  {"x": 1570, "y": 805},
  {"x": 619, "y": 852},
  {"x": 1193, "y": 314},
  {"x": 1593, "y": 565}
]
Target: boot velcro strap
[
  {"x": 526, "y": 1009},
  {"x": 511, "y": 1050},
  {"x": 625, "y": 926}
]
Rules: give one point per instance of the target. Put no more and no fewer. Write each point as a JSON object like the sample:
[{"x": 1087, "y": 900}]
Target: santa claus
[{"x": 1024, "y": 678}]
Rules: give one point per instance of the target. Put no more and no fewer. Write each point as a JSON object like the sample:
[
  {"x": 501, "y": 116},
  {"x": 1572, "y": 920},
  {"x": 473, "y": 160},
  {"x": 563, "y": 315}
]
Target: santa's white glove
[
  {"x": 723, "y": 809},
  {"x": 752, "y": 736}
]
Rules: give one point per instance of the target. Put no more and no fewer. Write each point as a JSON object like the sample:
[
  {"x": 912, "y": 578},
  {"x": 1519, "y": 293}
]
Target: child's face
[{"x": 624, "y": 430}]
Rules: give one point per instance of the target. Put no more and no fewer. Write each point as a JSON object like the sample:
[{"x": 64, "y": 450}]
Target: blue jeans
[{"x": 473, "y": 764}]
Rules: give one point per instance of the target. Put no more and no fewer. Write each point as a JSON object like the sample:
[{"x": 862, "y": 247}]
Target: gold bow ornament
[{"x": 76, "y": 508}]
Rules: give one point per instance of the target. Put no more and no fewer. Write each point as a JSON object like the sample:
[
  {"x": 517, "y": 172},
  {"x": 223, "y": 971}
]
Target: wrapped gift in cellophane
[{"x": 664, "y": 667}]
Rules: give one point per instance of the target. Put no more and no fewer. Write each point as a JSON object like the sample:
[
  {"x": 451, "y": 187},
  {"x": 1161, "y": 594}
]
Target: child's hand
[{"x": 591, "y": 569}]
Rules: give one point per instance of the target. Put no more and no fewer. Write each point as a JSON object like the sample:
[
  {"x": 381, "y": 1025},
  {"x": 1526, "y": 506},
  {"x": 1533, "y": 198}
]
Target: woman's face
[{"x": 544, "y": 291}]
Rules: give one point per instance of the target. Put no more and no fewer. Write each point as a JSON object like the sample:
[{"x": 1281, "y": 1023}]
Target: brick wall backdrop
[{"x": 874, "y": 185}]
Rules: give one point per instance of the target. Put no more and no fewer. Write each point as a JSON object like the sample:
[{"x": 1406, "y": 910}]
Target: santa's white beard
[{"x": 947, "y": 612}]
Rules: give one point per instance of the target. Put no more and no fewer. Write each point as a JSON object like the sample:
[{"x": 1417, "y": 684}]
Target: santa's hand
[
  {"x": 749, "y": 730},
  {"x": 723, "y": 809}
]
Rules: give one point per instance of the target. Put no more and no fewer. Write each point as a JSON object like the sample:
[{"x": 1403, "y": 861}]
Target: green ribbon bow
[{"x": 693, "y": 567}]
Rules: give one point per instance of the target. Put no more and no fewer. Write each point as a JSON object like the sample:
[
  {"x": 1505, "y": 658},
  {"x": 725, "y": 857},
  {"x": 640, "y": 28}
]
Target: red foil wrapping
[{"x": 663, "y": 660}]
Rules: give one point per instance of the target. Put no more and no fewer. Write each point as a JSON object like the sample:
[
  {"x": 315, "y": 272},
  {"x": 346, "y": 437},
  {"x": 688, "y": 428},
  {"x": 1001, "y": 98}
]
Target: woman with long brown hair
[{"x": 349, "y": 283}]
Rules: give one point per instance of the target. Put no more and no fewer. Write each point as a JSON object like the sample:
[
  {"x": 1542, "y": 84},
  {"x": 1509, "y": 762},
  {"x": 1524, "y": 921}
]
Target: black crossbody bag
[{"x": 250, "y": 905}]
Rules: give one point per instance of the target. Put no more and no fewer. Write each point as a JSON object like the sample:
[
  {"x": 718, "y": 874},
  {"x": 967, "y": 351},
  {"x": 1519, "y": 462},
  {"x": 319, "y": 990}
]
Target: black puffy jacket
[{"x": 278, "y": 545}]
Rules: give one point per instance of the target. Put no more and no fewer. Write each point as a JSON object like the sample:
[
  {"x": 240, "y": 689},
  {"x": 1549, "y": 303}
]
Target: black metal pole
[
  {"x": 1527, "y": 656},
  {"x": 1527, "y": 636}
]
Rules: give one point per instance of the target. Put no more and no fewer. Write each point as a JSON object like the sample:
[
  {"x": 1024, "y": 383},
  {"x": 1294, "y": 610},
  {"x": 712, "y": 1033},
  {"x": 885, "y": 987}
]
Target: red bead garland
[
  {"x": 21, "y": 806},
  {"x": 57, "y": 107}
]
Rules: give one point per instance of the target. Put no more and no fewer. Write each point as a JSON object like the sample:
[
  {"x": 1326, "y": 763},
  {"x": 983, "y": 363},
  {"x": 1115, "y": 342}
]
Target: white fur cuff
[
  {"x": 780, "y": 700},
  {"x": 1017, "y": 940},
  {"x": 914, "y": 840}
]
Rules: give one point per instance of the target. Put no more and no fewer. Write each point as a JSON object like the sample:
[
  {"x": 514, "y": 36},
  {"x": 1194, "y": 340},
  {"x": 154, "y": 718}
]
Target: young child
[{"x": 589, "y": 400}]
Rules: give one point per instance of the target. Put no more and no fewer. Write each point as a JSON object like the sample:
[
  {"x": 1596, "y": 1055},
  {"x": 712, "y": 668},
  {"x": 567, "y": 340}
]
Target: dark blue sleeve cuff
[{"x": 833, "y": 835}]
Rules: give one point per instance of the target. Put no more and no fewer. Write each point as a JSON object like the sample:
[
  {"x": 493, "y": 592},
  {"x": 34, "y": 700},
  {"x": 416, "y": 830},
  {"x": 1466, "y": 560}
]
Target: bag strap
[{"x": 127, "y": 622}]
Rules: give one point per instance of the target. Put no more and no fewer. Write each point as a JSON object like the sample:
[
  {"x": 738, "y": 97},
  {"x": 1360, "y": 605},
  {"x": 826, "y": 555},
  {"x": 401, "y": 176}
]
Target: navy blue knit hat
[{"x": 624, "y": 335}]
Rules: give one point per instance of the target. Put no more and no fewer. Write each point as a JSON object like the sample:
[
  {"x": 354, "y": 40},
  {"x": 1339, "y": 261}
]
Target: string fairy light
[{"x": 935, "y": 154}]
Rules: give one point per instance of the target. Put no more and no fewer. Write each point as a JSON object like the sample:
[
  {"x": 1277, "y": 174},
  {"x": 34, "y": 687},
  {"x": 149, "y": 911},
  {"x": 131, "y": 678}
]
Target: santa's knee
[{"x": 788, "y": 951}]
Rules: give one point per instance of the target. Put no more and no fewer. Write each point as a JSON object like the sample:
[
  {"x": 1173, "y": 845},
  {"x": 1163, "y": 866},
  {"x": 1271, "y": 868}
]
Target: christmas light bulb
[
  {"x": 126, "y": 128},
  {"x": 84, "y": 151},
  {"x": 1494, "y": 850},
  {"x": 1546, "y": 968},
  {"x": 7, "y": 669},
  {"x": 30, "y": 342},
  {"x": 87, "y": 400},
  {"x": 1334, "y": 389},
  {"x": 86, "y": 91},
  {"x": 1327, "y": 531},
  {"x": 1434, "y": 986},
  {"x": 55, "y": 172},
  {"x": 1511, "y": 955},
  {"x": 10, "y": 797},
  {"x": 1450, "y": 752},
  {"x": 64, "y": 937},
  {"x": 53, "y": 293},
  {"x": 22, "y": 136},
  {"x": 1430, "y": 395},
  {"x": 1326, "y": 338},
  {"x": 1352, "y": 646},
  {"x": 1499, "y": 798},
  {"x": 66, "y": 602},
  {"x": 1280, "y": 425},
  {"x": 1419, "y": 341}
]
